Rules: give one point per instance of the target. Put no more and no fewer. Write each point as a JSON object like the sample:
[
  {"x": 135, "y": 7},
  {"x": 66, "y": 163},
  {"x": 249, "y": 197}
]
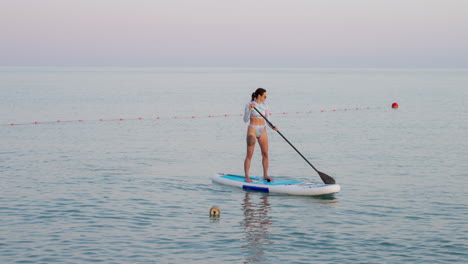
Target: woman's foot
[
  {"x": 247, "y": 179},
  {"x": 268, "y": 178}
]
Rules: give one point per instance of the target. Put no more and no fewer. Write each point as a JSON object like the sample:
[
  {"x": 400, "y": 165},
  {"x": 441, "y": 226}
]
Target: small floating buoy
[
  {"x": 394, "y": 105},
  {"x": 215, "y": 211}
]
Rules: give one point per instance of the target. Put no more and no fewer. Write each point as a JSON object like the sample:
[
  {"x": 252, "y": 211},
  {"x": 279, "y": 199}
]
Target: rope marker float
[{"x": 394, "y": 105}]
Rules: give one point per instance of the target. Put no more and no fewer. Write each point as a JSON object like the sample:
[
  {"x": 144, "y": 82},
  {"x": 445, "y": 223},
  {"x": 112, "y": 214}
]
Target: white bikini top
[{"x": 262, "y": 107}]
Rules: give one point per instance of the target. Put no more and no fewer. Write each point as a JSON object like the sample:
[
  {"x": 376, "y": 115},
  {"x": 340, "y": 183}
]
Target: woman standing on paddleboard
[{"x": 256, "y": 131}]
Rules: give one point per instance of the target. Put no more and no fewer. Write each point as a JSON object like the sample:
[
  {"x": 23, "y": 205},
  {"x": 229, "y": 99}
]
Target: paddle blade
[{"x": 325, "y": 178}]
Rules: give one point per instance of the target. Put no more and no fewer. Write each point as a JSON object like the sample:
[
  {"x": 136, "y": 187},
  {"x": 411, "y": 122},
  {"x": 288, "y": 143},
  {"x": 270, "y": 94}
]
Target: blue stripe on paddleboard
[
  {"x": 258, "y": 180},
  {"x": 255, "y": 188}
]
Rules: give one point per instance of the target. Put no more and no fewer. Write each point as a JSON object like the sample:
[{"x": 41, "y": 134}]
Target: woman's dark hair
[{"x": 259, "y": 91}]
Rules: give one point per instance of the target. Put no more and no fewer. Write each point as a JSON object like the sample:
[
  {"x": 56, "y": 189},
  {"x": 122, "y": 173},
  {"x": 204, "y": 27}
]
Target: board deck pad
[{"x": 259, "y": 180}]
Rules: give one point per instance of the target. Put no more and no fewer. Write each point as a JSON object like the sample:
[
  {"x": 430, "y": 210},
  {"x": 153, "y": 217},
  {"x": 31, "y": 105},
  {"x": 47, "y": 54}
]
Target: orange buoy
[{"x": 394, "y": 105}]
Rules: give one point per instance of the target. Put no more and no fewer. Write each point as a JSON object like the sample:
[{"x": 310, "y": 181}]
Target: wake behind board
[{"x": 276, "y": 186}]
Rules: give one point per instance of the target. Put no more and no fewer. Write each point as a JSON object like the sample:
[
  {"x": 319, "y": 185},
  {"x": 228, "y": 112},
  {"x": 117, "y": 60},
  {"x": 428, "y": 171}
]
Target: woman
[{"x": 256, "y": 131}]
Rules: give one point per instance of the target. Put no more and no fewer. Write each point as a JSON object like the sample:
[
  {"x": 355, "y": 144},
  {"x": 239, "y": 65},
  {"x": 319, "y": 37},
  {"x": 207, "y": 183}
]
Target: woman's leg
[
  {"x": 251, "y": 139},
  {"x": 263, "y": 141}
]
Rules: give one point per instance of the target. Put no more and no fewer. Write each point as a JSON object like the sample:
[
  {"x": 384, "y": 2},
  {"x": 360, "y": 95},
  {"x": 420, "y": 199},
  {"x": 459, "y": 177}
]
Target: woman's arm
[
  {"x": 267, "y": 115},
  {"x": 247, "y": 113}
]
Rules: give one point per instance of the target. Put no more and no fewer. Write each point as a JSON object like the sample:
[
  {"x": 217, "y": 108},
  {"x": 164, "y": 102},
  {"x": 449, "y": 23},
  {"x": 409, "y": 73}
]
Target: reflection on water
[
  {"x": 256, "y": 224},
  {"x": 326, "y": 199}
]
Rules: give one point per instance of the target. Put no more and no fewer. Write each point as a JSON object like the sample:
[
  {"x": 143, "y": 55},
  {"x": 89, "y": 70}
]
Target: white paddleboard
[{"x": 276, "y": 186}]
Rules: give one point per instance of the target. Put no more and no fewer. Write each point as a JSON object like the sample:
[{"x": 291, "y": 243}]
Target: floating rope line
[{"x": 185, "y": 117}]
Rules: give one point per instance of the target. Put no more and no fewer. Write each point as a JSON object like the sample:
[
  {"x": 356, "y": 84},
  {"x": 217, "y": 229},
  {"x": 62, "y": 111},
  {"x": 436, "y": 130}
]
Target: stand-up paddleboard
[{"x": 276, "y": 186}]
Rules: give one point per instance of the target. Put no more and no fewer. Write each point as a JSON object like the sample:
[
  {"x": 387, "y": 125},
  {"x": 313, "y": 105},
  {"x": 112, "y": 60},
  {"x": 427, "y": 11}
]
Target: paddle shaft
[{"x": 325, "y": 178}]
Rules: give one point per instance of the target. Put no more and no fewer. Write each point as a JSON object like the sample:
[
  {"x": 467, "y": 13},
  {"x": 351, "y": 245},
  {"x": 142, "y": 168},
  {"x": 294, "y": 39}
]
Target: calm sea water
[{"x": 138, "y": 191}]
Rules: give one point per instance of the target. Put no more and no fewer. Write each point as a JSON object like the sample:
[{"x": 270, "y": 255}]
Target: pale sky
[{"x": 235, "y": 33}]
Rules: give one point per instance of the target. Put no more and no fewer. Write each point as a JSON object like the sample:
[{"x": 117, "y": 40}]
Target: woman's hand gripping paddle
[{"x": 325, "y": 178}]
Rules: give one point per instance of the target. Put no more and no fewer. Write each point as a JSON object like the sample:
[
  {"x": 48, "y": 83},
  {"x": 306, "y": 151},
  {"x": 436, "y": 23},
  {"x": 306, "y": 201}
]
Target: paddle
[{"x": 325, "y": 178}]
